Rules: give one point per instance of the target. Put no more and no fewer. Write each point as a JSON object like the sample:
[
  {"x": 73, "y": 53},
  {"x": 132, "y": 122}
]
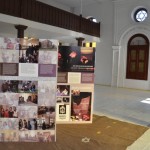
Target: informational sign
[
  {"x": 28, "y": 84},
  {"x": 75, "y": 88}
]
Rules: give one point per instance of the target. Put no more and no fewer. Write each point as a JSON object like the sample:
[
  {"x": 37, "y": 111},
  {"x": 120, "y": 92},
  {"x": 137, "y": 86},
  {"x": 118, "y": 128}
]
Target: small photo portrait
[
  {"x": 27, "y": 86},
  {"x": 9, "y": 99},
  {"x": 63, "y": 90},
  {"x": 46, "y": 118},
  {"x": 8, "y": 111},
  {"x": 28, "y": 99},
  {"x": 9, "y": 123},
  {"x": 27, "y": 111},
  {"x": 10, "y": 86},
  {"x": 28, "y": 124}
]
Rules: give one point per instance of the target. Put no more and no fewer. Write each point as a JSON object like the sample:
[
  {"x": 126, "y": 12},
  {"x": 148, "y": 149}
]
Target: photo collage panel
[
  {"x": 28, "y": 84},
  {"x": 22, "y": 109},
  {"x": 28, "y": 57}
]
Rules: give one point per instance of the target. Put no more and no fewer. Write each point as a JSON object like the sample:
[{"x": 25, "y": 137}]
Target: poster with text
[
  {"x": 75, "y": 85},
  {"x": 76, "y": 59}
]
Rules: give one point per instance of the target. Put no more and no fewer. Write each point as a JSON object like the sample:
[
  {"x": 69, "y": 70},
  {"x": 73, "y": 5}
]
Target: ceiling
[
  {"x": 77, "y": 3},
  {"x": 73, "y": 3}
]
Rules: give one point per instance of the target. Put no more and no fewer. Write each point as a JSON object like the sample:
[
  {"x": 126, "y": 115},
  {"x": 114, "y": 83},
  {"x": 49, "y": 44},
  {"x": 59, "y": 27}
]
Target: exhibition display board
[
  {"x": 28, "y": 84},
  {"x": 75, "y": 84}
]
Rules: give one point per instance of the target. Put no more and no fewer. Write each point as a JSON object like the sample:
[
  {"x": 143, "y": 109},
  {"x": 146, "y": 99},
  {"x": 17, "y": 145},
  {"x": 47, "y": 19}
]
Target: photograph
[
  {"x": 28, "y": 136},
  {"x": 63, "y": 99},
  {"x": 47, "y": 93},
  {"x": 37, "y": 136},
  {"x": 10, "y": 86},
  {"x": 67, "y": 57},
  {"x": 48, "y": 57},
  {"x": 8, "y": 111},
  {"x": 28, "y": 99},
  {"x": 76, "y": 59},
  {"x": 28, "y": 124},
  {"x": 28, "y": 86},
  {"x": 46, "y": 118},
  {"x": 9, "y": 123},
  {"x": 48, "y": 44},
  {"x": 46, "y": 136},
  {"x": 63, "y": 90},
  {"x": 9, "y": 136},
  {"x": 28, "y": 52},
  {"x": 9, "y": 56},
  {"x": 9, "y": 99},
  {"x": 27, "y": 111},
  {"x": 80, "y": 105},
  {"x": 9, "y": 43}
]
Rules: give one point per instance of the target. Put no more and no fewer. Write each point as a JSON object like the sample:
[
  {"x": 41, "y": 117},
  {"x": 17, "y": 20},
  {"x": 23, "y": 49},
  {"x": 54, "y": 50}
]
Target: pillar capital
[
  {"x": 80, "y": 39},
  {"x": 20, "y": 30}
]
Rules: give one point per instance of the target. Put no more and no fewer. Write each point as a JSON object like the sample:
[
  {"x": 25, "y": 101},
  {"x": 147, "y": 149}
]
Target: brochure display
[
  {"x": 75, "y": 84},
  {"x": 28, "y": 84}
]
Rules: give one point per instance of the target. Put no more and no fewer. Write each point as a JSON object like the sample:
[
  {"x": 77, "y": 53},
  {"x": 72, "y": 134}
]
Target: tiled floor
[{"x": 122, "y": 104}]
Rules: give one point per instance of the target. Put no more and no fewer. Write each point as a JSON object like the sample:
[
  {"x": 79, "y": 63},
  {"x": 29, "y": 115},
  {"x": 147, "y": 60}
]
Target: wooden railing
[{"x": 43, "y": 13}]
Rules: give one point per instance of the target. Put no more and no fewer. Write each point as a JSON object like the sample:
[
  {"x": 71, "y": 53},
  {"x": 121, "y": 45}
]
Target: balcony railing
[{"x": 36, "y": 11}]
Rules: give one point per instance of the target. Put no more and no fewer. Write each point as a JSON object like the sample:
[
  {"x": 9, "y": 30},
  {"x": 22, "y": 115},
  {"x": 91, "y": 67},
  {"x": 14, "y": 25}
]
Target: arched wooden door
[{"x": 137, "y": 57}]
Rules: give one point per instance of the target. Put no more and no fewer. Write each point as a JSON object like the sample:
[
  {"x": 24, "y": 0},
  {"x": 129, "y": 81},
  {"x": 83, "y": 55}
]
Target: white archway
[{"x": 122, "y": 58}]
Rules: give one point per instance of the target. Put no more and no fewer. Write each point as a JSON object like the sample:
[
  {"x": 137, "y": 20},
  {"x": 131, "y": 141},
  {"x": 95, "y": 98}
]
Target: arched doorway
[{"x": 137, "y": 57}]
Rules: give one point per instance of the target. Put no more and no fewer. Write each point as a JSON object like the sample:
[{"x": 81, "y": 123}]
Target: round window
[{"x": 140, "y": 15}]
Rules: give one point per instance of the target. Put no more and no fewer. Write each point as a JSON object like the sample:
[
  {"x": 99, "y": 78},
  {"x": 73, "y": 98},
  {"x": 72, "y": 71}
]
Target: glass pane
[
  {"x": 141, "y": 67},
  {"x": 141, "y": 55},
  {"x": 138, "y": 41},
  {"x": 133, "y": 54},
  {"x": 132, "y": 67}
]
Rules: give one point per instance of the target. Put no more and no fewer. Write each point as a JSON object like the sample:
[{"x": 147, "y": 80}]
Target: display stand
[
  {"x": 28, "y": 83},
  {"x": 75, "y": 88}
]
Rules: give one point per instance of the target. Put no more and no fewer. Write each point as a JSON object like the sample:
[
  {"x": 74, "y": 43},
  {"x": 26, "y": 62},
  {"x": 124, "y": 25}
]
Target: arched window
[{"x": 137, "y": 57}]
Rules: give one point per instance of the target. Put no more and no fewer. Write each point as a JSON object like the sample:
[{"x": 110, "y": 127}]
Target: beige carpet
[{"x": 103, "y": 134}]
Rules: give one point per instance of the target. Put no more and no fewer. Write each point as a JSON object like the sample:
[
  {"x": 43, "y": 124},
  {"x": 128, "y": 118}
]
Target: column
[
  {"x": 80, "y": 39},
  {"x": 20, "y": 30}
]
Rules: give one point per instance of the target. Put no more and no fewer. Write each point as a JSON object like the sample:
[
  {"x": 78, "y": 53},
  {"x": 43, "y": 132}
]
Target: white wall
[
  {"x": 117, "y": 27},
  {"x": 103, "y": 12},
  {"x": 124, "y": 28}
]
